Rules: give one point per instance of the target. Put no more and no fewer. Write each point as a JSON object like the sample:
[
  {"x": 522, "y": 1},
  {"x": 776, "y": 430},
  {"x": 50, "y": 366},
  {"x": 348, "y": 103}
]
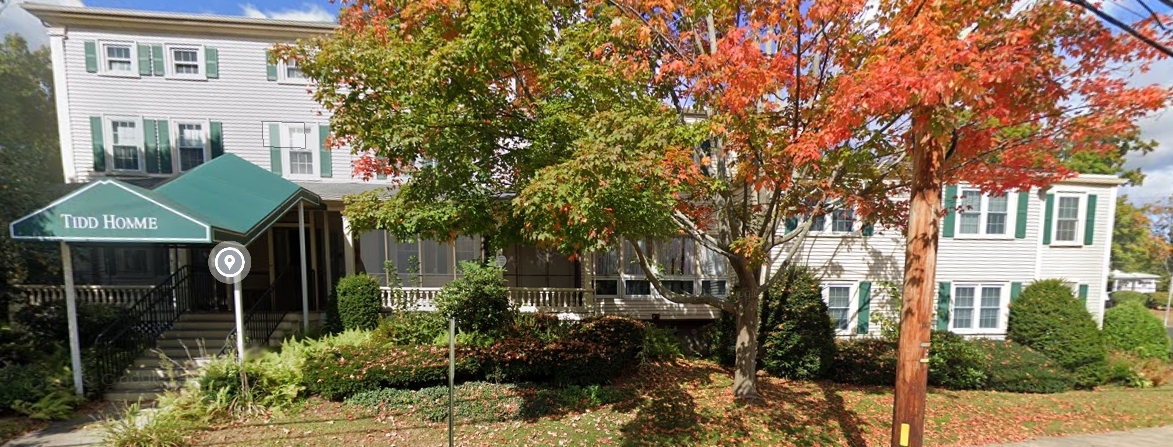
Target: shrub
[
  {"x": 660, "y": 345},
  {"x": 49, "y": 324},
  {"x": 331, "y": 322},
  {"x": 543, "y": 326},
  {"x": 1015, "y": 368},
  {"x": 1133, "y": 329},
  {"x": 341, "y": 371},
  {"x": 1122, "y": 297},
  {"x": 58, "y": 404},
  {"x": 412, "y": 328},
  {"x": 359, "y": 303},
  {"x": 955, "y": 363},
  {"x": 798, "y": 339},
  {"x": 17, "y": 348},
  {"x": 1139, "y": 372},
  {"x": 478, "y": 300},
  {"x": 271, "y": 380},
  {"x": 464, "y": 339},
  {"x": 596, "y": 351},
  {"x": 865, "y": 361},
  {"x": 1049, "y": 319},
  {"x": 1157, "y": 300}
]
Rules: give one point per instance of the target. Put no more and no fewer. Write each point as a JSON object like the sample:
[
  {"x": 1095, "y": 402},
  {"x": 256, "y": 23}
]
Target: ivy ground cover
[{"x": 688, "y": 403}]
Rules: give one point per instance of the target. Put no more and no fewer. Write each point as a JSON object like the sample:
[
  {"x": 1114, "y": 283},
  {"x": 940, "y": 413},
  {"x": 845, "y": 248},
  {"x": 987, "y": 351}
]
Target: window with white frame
[
  {"x": 288, "y": 71},
  {"x": 977, "y": 307},
  {"x": 983, "y": 215},
  {"x": 185, "y": 61},
  {"x": 838, "y": 299},
  {"x": 1067, "y": 218},
  {"x": 126, "y": 143},
  {"x": 300, "y": 150},
  {"x": 118, "y": 59},
  {"x": 838, "y": 221},
  {"x": 191, "y": 142}
]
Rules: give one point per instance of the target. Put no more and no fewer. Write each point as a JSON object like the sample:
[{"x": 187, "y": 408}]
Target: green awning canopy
[{"x": 226, "y": 199}]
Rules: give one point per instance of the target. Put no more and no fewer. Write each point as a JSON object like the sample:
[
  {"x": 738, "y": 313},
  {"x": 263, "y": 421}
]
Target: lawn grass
[{"x": 689, "y": 403}]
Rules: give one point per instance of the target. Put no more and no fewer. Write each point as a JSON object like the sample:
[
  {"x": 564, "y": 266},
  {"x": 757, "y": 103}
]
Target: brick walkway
[{"x": 1149, "y": 437}]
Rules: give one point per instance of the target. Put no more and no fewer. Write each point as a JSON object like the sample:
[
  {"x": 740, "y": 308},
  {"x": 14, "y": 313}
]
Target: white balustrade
[
  {"x": 527, "y": 299},
  {"x": 113, "y": 295}
]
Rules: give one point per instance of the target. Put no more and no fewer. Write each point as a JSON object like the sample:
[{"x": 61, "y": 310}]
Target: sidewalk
[
  {"x": 82, "y": 431},
  {"x": 1148, "y": 437}
]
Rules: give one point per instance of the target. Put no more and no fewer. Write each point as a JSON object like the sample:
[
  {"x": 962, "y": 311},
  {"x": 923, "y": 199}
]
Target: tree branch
[
  {"x": 679, "y": 298},
  {"x": 1123, "y": 26}
]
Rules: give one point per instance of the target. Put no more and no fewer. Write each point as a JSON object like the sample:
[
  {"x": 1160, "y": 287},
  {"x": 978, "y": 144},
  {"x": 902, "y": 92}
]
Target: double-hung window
[
  {"x": 126, "y": 143},
  {"x": 191, "y": 144},
  {"x": 1067, "y": 222},
  {"x": 288, "y": 71},
  {"x": 300, "y": 149},
  {"x": 118, "y": 59},
  {"x": 838, "y": 299},
  {"x": 982, "y": 215},
  {"x": 185, "y": 61},
  {"x": 839, "y": 221},
  {"x": 977, "y": 307}
]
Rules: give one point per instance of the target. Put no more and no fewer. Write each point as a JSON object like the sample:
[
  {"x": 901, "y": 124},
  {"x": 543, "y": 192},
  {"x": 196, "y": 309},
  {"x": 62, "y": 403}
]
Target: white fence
[{"x": 527, "y": 299}]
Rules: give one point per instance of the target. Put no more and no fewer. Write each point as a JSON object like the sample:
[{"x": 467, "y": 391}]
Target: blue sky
[{"x": 226, "y": 7}]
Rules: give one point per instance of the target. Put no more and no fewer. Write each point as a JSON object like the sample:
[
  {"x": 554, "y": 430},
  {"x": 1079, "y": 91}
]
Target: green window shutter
[
  {"x": 165, "y": 164},
  {"x": 159, "y": 64},
  {"x": 99, "y": 146},
  {"x": 865, "y": 306},
  {"x": 1047, "y": 216},
  {"x": 1023, "y": 210},
  {"x": 275, "y": 148},
  {"x": 144, "y": 60},
  {"x": 324, "y": 152},
  {"x": 151, "y": 146},
  {"x": 1089, "y": 227},
  {"x": 791, "y": 224},
  {"x": 212, "y": 62},
  {"x": 381, "y": 175},
  {"x": 216, "y": 135},
  {"x": 1083, "y": 289},
  {"x": 944, "y": 289},
  {"x": 1015, "y": 290},
  {"x": 270, "y": 69},
  {"x": 868, "y": 230},
  {"x": 950, "y": 223},
  {"x": 91, "y": 59}
]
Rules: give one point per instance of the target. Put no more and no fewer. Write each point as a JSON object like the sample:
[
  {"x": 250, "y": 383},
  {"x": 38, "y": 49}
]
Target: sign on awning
[{"x": 112, "y": 211}]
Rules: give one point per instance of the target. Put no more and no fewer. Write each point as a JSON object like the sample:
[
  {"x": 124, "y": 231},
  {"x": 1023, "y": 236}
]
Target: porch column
[
  {"x": 314, "y": 255},
  {"x": 305, "y": 288},
  {"x": 329, "y": 253},
  {"x": 347, "y": 246},
  {"x": 71, "y": 317}
]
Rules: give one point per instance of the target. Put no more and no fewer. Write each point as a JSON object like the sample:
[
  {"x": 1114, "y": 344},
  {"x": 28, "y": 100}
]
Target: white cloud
[
  {"x": 1157, "y": 165},
  {"x": 307, "y": 13},
  {"x": 14, "y": 19}
]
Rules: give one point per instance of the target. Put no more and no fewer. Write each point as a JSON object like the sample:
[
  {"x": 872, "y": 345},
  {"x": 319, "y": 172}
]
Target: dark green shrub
[
  {"x": 956, "y": 363},
  {"x": 660, "y": 345},
  {"x": 719, "y": 339},
  {"x": 1014, "y": 368},
  {"x": 331, "y": 321},
  {"x": 359, "y": 302},
  {"x": 798, "y": 341},
  {"x": 1131, "y": 328},
  {"x": 17, "y": 348},
  {"x": 21, "y": 383},
  {"x": 342, "y": 371},
  {"x": 543, "y": 326},
  {"x": 1049, "y": 319},
  {"x": 1123, "y": 297},
  {"x": 412, "y": 328},
  {"x": 596, "y": 351},
  {"x": 865, "y": 361},
  {"x": 478, "y": 299},
  {"x": 49, "y": 324}
]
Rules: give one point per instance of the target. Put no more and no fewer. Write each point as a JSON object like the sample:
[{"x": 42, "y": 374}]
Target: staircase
[{"x": 178, "y": 354}]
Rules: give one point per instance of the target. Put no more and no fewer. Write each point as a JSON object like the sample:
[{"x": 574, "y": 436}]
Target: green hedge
[
  {"x": 865, "y": 361},
  {"x": 48, "y": 324},
  {"x": 1049, "y": 319},
  {"x": 342, "y": 371},
  {"x": 1123, "y": 297},
  {"x": 956, "y": 363},
  {"x": 359, "y": 302},
  {"x": 1131, "y": 328},
  {"x": 1014, "y": 368}
]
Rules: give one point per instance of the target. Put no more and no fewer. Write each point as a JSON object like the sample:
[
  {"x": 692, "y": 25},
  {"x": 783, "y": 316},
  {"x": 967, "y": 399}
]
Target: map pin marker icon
[{"x": 229, "y": 260}]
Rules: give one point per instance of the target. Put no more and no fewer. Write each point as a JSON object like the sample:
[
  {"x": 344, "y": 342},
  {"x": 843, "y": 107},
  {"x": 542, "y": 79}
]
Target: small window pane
[
  {"x": 838, "y": 305},
  {"x": 963, "y": 307},
  {"x": 996, "y": 219},
  {"x": 842, "y": 221},
  {"x": 118, "y": 58},
  {"x": 292, "y": 71},
  {"x": 715, "y": 288},
  {"x": 125, "y": 142},
  {"x": 191, "y": 146},
  {"x": 675, "y": 257},
  {"x": 186, "y": 60},
  {"x": 637, "y": 287},
  {"x": 971, "y": 211},
  {"x": 1068, "y": 219},
  {"x": 991, "y": 296},
  {"x": 607, "y": 263},
  {"x": 1068, "y": 207},
  {"x": 818, "y": 223},
  {"x": 606, "y": 287},
  {"x": 301, "y": 158}
]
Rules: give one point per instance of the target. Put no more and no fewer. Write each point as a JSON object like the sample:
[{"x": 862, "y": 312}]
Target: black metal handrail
[
  {"x": 116, "y": 347},
  {"x": 262, "y": 316}
]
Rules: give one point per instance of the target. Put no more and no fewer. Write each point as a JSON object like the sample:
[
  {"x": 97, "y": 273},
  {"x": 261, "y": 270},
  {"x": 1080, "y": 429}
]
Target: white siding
[
  {"x": 1085, "y": 264},
  {"x": 241, "y": 98}
]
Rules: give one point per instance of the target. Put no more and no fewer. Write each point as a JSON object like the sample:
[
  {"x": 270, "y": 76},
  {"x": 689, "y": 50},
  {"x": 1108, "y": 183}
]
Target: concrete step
[
  {"x": 203, "y": 325},
  {"x": 143, "y": 395},
  {"x": 192, "y": 334},
  {"x": 193, "y": 344},
  {"x": 217, "y": 316}
]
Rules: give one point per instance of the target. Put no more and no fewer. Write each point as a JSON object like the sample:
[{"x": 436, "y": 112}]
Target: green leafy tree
[
  {"x": 30, "y": 160},
  {"x": 1136, "y": 247},
  {"x": 1112, "y": 162}
]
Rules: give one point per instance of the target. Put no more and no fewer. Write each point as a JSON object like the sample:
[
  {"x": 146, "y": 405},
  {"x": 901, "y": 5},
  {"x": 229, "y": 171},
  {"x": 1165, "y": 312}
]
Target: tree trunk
[
  {"x": 746, "y": 356},
  {"x": 920, "y": 276}
]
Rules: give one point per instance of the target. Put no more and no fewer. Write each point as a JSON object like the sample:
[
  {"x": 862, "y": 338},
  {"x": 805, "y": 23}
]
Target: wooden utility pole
[{"x": 920, "y": 277}]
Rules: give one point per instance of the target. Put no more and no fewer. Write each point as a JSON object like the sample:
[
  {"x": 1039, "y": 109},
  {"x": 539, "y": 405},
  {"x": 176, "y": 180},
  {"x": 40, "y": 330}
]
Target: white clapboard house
[{"x": 177, "y": 133}]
